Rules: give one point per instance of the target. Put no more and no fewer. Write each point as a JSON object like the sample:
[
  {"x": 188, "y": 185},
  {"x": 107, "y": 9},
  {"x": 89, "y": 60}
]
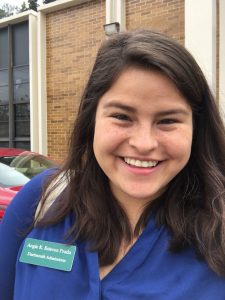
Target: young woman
[{"x": 137, "y": 211}]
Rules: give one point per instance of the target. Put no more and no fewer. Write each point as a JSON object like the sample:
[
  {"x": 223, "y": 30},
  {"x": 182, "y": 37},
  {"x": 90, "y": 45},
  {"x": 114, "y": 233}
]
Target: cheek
[
  {"x": 107, "y": 136},
  {"x": 179, "y": 146},
  {"x": 105, "y": 140}
]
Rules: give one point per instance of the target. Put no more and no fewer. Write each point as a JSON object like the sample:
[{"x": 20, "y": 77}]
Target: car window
[
  {"x": 6, "y": 159},
  {"x": 10, "y": 177},
  {"x": 31, "y": 164}
]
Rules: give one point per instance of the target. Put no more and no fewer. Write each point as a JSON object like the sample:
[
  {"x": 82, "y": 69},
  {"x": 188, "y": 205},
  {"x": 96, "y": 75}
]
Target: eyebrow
[
  {"x": 178, "y": 111},
  {"x": 175, "y": 111},
  {"x": 115, "y": 104}
]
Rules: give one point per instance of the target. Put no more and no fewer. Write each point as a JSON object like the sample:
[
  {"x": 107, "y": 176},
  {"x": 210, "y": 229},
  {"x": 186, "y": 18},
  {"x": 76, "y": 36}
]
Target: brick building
[{"x": 63, "y": 38}]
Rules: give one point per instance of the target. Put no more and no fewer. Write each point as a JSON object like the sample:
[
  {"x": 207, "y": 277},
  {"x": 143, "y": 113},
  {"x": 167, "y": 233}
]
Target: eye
[
  {"x": 168, "y": 121},
  {"x": 121, "y": 117}
]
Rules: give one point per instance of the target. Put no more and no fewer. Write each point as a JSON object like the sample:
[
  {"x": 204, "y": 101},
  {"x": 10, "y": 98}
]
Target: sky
[{"x": 17, "y": 2}]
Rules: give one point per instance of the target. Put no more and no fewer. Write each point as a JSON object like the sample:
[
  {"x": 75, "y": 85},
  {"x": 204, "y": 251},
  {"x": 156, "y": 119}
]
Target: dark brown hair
[{"x": 192, "y": 207}]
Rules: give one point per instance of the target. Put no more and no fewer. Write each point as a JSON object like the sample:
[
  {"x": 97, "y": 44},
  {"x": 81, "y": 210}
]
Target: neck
[{"x": 133, "y": 210}]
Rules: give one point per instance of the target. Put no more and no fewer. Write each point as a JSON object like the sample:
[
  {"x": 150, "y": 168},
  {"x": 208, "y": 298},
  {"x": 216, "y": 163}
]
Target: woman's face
[{"x": 143, "y": 134}]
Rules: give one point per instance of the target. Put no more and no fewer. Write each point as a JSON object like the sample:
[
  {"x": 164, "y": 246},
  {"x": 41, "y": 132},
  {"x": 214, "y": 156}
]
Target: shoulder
[{"x": 14, "y": 226}]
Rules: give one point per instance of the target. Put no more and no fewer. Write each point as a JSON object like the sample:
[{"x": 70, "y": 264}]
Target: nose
[{"x": 143, "y": 138}]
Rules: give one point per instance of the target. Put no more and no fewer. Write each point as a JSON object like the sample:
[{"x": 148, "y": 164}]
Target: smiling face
[{"x": 143, "y": 135}]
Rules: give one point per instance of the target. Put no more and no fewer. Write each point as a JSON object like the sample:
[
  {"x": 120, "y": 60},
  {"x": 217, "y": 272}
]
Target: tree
[
  {"x": 2, "y": 13},
  {"x": 7, "y": 10},
  {"x": 48, "y": 1},
  {"x": 33, "y": 4},
  {"x": 22, "y": 8}
]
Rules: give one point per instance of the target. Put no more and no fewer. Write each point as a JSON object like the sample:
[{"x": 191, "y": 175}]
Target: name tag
[{"x": 48, "y": 254}]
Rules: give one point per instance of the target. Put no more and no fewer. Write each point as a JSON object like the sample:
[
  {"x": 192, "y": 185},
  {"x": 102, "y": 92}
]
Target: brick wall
[
  {"x": 73, "y": 37},
  {"x": 162, "y": 15}
]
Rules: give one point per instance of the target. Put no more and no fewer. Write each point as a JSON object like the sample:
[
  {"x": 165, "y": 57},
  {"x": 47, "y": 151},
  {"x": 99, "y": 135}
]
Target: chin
[{"x": 142, "y": 198}]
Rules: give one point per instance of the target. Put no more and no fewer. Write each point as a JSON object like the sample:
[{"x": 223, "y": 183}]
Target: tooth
[
  {"x": 138, "y": 163},
  {"x": 127, "y": 160},
  {"x": 132, "y": 161},
  {"x": 145, "y": 164}
]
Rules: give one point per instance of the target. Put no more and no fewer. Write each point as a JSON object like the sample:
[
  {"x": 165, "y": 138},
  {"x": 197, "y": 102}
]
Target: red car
[{"x": 17, "y": 167}]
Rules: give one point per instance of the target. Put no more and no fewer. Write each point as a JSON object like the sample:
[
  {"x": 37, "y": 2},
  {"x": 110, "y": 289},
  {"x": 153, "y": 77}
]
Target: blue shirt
[{"x": 148, "y": 271}]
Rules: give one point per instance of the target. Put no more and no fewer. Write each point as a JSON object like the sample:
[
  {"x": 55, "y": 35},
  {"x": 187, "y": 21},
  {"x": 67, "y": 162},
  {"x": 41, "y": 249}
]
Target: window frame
[{"x": 12, "y": 140}]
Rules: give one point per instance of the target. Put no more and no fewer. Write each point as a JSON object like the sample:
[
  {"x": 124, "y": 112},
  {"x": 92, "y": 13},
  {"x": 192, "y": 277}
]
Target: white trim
[
  {"x": 15, "y": 19},
  {"x": 200, "y": 35},
  {"x": 31, "y": 17},
  {"x": 222, "y": 58},
  {"x": 42, "y": 94},
  {"x": 115, "y": 12},
  {"x": 108, "y": 11},
  {"x": 33, "y": 83},
  {"x": 60, "y": 4}
]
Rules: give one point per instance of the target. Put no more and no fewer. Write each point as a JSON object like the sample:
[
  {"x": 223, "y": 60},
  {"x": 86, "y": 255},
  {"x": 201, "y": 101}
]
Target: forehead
[{"x": 142, "y": 88}]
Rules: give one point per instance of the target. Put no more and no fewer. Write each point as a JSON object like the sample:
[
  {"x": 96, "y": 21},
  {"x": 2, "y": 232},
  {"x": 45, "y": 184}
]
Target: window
[
  {"x": 4, "y": 100},
  {"x": 14, "y": 86}
]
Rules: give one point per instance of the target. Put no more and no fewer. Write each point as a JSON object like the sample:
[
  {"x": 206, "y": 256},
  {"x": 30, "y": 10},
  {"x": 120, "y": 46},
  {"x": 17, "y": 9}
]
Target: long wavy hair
[{"x": 193, "y": 206}]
